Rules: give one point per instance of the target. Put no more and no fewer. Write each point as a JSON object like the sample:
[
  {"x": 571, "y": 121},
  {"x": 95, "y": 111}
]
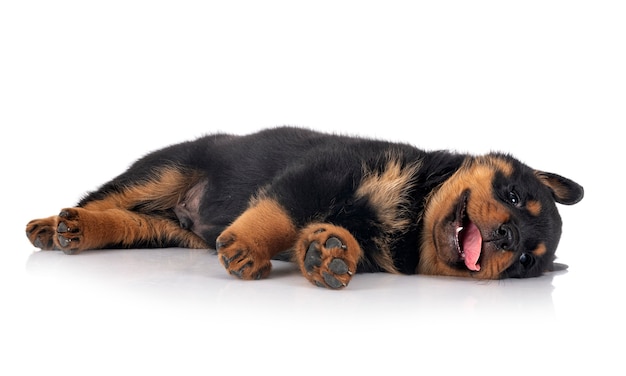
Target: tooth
[{"x": 459, "y": 229}]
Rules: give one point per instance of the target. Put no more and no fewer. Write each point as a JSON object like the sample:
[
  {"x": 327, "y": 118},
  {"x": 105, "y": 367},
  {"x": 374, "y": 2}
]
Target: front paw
[
  {"x": 240, "y": 258},
  {"x": 325, "y": 266},
  {"x": 328, "y": 256}
]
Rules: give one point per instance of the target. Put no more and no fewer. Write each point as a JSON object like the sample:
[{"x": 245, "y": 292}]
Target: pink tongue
[{"x": 471, "y": 244}]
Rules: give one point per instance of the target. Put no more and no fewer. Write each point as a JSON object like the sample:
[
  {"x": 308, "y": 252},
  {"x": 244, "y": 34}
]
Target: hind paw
[
  {"x": 69, "y": 233},
  {"x": 59, "y": 232},
  {"x": 41, "y": 233}
]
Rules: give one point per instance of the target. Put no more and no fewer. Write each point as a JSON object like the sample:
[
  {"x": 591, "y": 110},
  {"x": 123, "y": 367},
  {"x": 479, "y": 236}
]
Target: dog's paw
[
  {"x": 328, "y": 256},
  {"x": 60, "y": 232},
  {"x": 41, "y": 233},
  {"x": 240, "y": 258},
  {"x": 69, "y": 231}
]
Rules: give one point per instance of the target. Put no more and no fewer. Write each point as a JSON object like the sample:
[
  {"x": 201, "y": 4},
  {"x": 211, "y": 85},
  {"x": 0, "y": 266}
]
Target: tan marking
[
  {"x": 388, "y": 193},
  {"x": 383, "y": 259},
  {"x": 96, "y": 229},
  {"x": 118, "y": 226},
  {"x": 534, "y": 207},
  {"x": 499, "y": 260},
  {"x": 495, "y": 163},
  {"x": 246, "y": 247},
  {"x": 166, "y": 189},
  {"x": 265, "y": 229},
  {"x": 540, "y": 250}
]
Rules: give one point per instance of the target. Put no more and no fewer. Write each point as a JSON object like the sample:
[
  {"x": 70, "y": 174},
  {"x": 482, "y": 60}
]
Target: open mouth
[{"x": 467, "y": 236}]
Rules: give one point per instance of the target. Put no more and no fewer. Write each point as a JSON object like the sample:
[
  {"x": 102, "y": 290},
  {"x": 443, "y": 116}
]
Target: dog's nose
[{"x": 506, "y": 237}]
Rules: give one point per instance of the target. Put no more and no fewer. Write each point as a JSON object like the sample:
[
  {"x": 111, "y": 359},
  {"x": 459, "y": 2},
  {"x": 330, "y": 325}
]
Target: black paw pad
[
  {"x": 63, "y": 241},
  {"x": 62, "y": 227},
  {"x": 334, "y": 242},
  {"x": 38, "y": 243},
  {"x": 338, "y": 266},
  {"x": 331, "y": 281},
  {"x": 313, "y": 257}
]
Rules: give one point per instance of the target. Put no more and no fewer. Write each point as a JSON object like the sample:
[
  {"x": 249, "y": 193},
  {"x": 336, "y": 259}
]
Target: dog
[{"x": 336, "y": 205}]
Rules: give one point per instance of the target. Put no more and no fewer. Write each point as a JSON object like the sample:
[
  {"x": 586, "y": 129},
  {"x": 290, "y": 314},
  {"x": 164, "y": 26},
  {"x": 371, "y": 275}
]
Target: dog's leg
[
  {"x": 78, "y": 229},
  {"x": 327, "y": 255},
  {"x": 246, "y": 247},
  {"x": 139, "y": 214}
]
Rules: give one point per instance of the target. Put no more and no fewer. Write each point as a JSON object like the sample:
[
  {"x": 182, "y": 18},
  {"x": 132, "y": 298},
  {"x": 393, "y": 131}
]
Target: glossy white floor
[
  {"x": 173, "y": 310},
  {"x": 86, "y": 90}
]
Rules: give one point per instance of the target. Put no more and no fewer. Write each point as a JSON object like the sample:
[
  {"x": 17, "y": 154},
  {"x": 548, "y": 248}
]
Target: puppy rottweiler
[{"x": 335, "y": 205}]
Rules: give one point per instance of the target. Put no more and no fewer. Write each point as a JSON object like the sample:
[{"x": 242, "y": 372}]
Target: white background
[{"x": 87, "y": 87}]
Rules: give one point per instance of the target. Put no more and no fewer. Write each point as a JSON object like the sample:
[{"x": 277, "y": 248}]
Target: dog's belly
[{"x": 188, "y": 210}]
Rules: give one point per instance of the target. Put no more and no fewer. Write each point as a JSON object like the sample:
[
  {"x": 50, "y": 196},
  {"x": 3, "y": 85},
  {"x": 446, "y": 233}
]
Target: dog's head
[{"x": 494, "y": 218}]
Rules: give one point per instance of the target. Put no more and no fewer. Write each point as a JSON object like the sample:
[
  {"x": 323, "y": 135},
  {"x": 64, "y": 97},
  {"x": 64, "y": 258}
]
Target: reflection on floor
[
  {"x": 196, "y": 276},
  {"x": 176, "y": 311}
]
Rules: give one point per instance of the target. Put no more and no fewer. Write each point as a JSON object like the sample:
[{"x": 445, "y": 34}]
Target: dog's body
[{"x": 336, "y": 204}]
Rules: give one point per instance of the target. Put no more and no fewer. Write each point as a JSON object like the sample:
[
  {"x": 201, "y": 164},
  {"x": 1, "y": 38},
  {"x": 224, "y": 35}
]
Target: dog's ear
[
  {"x": 564, "y": 191},
  {"x": 556, "y": 267}
]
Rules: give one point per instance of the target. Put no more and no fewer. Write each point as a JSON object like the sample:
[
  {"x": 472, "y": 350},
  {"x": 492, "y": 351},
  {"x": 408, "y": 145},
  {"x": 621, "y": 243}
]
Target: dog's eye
[
  {"x": 514, "y": 199},
  {"x": 525, "y": 259}
]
